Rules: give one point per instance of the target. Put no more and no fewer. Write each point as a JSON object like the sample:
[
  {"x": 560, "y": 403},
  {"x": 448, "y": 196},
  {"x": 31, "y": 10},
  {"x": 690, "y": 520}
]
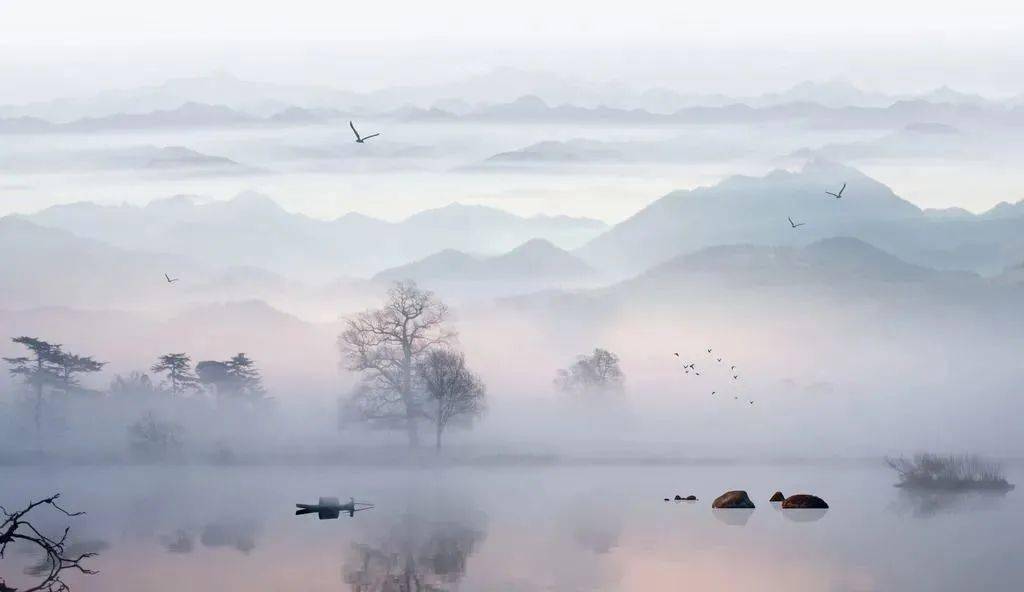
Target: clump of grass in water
[{"x": 949, "y": 472}]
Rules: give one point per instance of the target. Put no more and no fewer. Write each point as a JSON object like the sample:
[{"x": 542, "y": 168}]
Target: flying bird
[
  {"x": 169, "y": 279},
  {"x": 837, "y": 195},
  {"x": 796, "y": 224},
  {"x": 709, "y": 350},
  {"x": 677, "y": 354},
  {"x": 735, "y": 377},
  {"x": 719, "y": 359},
  {"x": 361, "y": 139}
]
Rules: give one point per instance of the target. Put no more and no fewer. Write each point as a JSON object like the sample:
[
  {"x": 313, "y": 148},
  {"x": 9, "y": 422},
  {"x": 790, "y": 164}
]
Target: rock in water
[
  {"x": 690, "y": 498},
  {"x": 804, "y": 501},
  {"x": 777, "y": 497},
  {"x": 733, "y": 499},
  {"x": 678, "y": 498}
]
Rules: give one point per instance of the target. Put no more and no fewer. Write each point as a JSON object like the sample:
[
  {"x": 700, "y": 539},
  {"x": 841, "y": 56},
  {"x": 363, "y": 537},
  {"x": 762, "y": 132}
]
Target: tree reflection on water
[{"x": 415, "y": 554}]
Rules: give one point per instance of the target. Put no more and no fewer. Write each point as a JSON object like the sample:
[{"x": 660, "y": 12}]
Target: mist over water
[
  {"x": 513, "y": 280},
  {"x": 514, "y": 528}
]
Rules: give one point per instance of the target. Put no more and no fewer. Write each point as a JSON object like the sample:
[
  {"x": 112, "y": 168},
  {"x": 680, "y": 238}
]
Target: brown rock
[
  {"x": 733, "y": 499},
  {"x": 777, "y": 497},
  {"x": 804, "y": 501}
]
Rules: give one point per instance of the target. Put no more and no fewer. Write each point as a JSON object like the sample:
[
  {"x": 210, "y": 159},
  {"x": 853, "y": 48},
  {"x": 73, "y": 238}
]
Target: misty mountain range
[
  {"x": 252, "y": 230},
  {"x": 840, "y": 270},
  {"x": 532, "y": 109},
  {"x": 923, "y": 142},
  {"x": 535, "y": 265},
  {"x": 537, "y": 258},
  {"x": 504, "y": 94},
  {"x": 585, "y": 151},
  {"x": 749, "y": 210},
  {"x": 178, "y": 159},
  {"x": 85, "y": 254},
  {"x": 184, "y": 116}
]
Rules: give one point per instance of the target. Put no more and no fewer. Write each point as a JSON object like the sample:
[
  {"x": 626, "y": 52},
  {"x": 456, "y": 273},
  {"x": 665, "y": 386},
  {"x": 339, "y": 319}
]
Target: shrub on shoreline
[{"x": 949, "y": 472}]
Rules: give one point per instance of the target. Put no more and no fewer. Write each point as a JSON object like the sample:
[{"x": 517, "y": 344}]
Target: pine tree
[{"x": 180, "y": 376}]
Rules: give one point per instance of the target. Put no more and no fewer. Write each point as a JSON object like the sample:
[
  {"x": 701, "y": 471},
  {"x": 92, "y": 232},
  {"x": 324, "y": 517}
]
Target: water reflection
[
  {"x": 593, "y": 525},
  {"x": 181, "y": 542},
  {"x": 804, "y": 514},
  {"x": 416, "y": 552},
  {"x": 237, "y": 533},
  {"x": 525, "y": 529},
  {"x": 732, "y": 516},
  {"x": 925, "y": 504}
]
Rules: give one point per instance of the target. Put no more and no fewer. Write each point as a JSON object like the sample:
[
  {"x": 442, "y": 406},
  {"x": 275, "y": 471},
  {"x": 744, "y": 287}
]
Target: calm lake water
[{"x": 521, "y": 528}]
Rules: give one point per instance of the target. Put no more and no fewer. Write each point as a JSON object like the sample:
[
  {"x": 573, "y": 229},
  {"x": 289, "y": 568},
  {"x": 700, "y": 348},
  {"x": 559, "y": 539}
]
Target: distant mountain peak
[
  {"x": 530, "y": 101},
  {"x": 180, "y": 200},
  {"x": 254, "y": 201},
  {"x": 1005, "y": 209},
  {"x": 536, "y": 259},
  {"x": 747, "y": 209},
  {"x": 537, "y": 246}
]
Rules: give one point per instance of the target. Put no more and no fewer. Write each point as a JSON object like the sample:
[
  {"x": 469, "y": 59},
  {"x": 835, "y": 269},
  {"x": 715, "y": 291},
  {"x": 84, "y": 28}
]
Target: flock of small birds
[
  {"x": 691, "y": 367},
  {"x": 359, "y": 140}
]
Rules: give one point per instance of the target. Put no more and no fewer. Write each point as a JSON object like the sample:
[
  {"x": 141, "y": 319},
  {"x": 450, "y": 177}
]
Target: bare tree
[
  {"x": 15, "y": 527},
  {"x": 179, "y": 372},
  {"x": 454, "y": 391},
  {"x": 385, "y": 344},
  {"x": 596, "y": 374}
]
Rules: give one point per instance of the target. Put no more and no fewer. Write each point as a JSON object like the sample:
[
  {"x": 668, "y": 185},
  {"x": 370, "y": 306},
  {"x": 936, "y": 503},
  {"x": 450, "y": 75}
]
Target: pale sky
[
  {"x": 66, "y": 47},
  {"x": 524, "y": 20}
]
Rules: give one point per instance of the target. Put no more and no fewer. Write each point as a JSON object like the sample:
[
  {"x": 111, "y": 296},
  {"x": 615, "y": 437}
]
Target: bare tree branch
[
  {"x": 16, "y": 527},
  {"x": 385, "y": 345}
]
